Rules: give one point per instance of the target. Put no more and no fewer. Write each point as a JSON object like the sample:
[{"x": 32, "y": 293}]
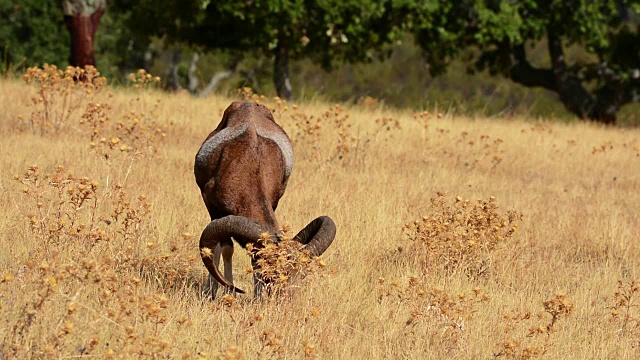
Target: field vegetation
[{"x": 458, "y": 237}]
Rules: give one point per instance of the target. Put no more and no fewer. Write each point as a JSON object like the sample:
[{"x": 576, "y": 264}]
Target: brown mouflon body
[{"x": 242, "y": 169}]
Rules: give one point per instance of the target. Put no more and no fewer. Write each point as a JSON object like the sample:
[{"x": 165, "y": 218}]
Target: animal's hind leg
[
  {"x": 211, "y": 287},
  {"x": 226, "y": 247}
]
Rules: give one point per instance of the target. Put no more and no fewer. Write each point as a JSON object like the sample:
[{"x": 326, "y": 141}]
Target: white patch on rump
[
  {"x": 285, "y": 147},
  {"x": 216, "y": 140},
  {"x": 230, "y": 133}
]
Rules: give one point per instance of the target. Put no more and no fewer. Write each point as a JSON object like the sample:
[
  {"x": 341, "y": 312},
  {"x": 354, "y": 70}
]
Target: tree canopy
[
  {"x": 325, "y": 31},
  {"x": 500, "y": 31},
  {"x": 33, "y": 31},
  {"x": 496, "y": 36}
]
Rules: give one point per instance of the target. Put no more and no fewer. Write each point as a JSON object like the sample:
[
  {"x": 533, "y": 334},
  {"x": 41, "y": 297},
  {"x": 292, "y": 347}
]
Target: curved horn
[
  {"x": 238, "y": 227},
  {"x": 318, "y": 235}
]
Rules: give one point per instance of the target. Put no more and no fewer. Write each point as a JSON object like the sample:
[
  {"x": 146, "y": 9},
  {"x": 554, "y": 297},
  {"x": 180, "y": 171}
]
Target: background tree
[
  {"x": 594, "y": 88},
  {"x": 324, "y": 31},
  {"x": 32, "y": 32},
  {"x": 316, "y": 47},
  {"x": 82, "y": 18}
]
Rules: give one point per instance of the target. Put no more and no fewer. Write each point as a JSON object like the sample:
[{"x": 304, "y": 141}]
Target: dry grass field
[{"x": 102, "y": 216}]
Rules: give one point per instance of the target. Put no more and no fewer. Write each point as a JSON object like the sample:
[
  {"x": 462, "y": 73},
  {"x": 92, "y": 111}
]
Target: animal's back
[{"x": 244, "y": 164}]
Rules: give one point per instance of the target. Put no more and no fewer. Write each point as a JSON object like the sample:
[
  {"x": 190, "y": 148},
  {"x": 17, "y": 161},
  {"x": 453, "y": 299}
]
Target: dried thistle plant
[
  {"x": 369, "y": 103},
  {"x": 308, "y": 131},
  {"x": 388, "y": 124},
  {"x": 282, "y": 264},
  {"x": 339, "y": 118},
  {"x": 529, "y": 337},
  {"x": 624, "y": 307},
  {"x": 481, "y": 150},
  {"x": 94, "y": 253},
  {"x": 423, "y": 118},
  {"x": 423, "y": 308},
  {"x": 96, "y": 117},
  {"x": 137, "y": 134},
  {"x": 462, "y": 235},
  {"x": 59, "y": 94},
  {"x": 141, "y": 79},
  {"x": 61, "y": 208}
]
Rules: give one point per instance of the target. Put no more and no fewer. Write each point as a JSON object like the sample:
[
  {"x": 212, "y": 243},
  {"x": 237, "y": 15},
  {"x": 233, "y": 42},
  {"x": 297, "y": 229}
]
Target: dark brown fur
[
  {"x": 242, "y": 171},
  {"x": 245, "y": 176}
]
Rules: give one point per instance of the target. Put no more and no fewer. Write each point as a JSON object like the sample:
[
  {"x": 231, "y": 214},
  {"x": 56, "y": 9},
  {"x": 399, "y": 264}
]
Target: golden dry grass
[{"x": 551, "y": 290}]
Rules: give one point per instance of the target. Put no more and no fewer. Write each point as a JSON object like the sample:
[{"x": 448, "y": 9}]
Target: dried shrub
[
  {"x": 96, "y": 255},
  {"x": 460, "y": 236},
  {"x": 624, "y": 307},
  {"x": 430, "y": 312},
  {"x": 68, "y": 213},
  {"x": 247, "y": 94},
  {"x": 137, "y": 134},
  {"x": 308, "y": 132},
  {"x": 529, "y": 336},
  {"x": 231, "y": 353},
  {"x": 424, "y": 118},
  {"x": 338, "y": 119},
  {"x": 62, "y": 209},
  {"x": 90, "y": 289},
  {"x": 483, "y": 150},
  {"x": 282, "y": 265},
  {"x": 96, "y": 118},
  {"x": 60, "y": 94},
  {"x": 387, "y": 124},
  {"x": 369, "y": 103},
  {"x": 141, "y": 79},
  {"x": 333, "y": 123},
  {"x": 141, "y": 133}
]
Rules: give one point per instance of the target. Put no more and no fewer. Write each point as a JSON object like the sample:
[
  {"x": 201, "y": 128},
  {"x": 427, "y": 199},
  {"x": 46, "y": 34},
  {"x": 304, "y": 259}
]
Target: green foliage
[
  {"x": 118, "y": 50},
  {"x": 598, "y": 44},
  {"x": 501, "y": 31},
  {"x": 32, "y": 32},
  {"x": 404, "y": 81},
  {"x": 324, "y": 30}
]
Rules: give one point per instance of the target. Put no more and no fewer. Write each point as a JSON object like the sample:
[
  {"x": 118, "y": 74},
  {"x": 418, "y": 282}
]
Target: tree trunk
[
  {"x": 220, "y": 75},
  {"x": 281, "y": 68},
  {"x": 173, "y": 82},
  {"x": 193, "y": 74},
  {"x": 148, "y": 58},
  {"x": 215, "y": 79},
  {"x": 572, "y": 93},
  {"x": 82, "y": 19},
  {"x": 600, "y": 106}
]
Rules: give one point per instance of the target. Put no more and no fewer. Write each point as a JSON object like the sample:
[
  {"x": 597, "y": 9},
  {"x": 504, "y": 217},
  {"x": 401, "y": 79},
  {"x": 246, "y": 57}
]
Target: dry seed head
[
  {"x": 206, "y": 252},
  {"x": 68, "y": 326},
  {"x": 232, "y": 353},
  {"x": 228, "y": 299},
  {"x": 264, "y": 237}
]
